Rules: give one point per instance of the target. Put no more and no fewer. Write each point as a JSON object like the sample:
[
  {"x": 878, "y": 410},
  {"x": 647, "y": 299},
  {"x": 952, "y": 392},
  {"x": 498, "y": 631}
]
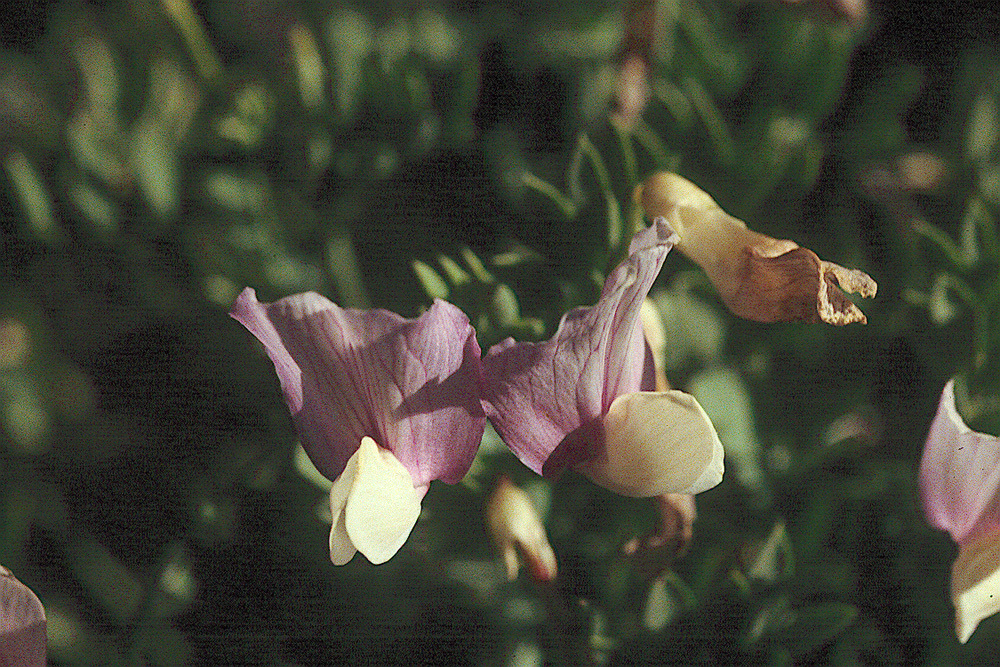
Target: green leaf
[
  {"x": 110, "y": 583},
  {"x": 982, "y": 128},
  {"x": 432, "y": 282},
  {"x": 35, "y": 200},
  {"x": 815, "y": 626},
  {"x": 724, "y": 397},
  {"x": 775, "y": 559},
  {"x": 719, "y": 135}
]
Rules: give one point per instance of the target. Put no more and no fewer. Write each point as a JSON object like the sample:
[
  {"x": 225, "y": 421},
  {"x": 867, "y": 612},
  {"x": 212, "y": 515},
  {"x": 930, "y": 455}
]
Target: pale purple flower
[
  {"x": 959, "y": 479},
  {"x": 583, "y": 398},
  {"x": 22, "y": 624},
  {"x": 383, "y": 406}
]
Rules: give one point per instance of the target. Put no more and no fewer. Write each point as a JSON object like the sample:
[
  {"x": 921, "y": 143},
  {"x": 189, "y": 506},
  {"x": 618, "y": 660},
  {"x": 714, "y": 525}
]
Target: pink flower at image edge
[
  {"x": 22, "y": 624},
  {"x": 959, "y": 478}
]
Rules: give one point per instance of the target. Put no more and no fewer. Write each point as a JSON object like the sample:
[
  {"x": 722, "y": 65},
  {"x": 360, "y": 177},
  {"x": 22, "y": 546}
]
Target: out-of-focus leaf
[
  {"x": 433, "y": 284},
  {"x": 941, "y": 308},
  {"x": 308, "y": 65},
  {"x": 477, "y": 267},
  {"x": 35, "y": 200},
  {"x": 342, "y": 263},
  {"x": 983, "y": 128},
  {"x": 68, "y": 639},
  {"x": 101, "y": 213},
  {"x": 723, "y": 395},
  {"x": 26, "y": 417},
  {"x": 434, "y": 37},
  {"x": 349, "y": 37},
  {"x": 774, "y": 560},
  {"x": 154, "y": 157},
  {"x": 692, "y": 328},
  {"x": 660, "y": 608},
  {"x": 456, "y": 275},
  {"x": 720, "y": 137},
  {"x": 105, "y": 578},
  {"x": 504, "y": 308},
  {"x": 193, "y": 31},
  {"x": 252, "y": 114},
  {"x": 814, "y": 626}
]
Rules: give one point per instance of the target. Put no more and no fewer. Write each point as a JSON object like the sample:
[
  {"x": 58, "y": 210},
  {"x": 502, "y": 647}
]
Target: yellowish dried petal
[
  {"x": 758, "y": 277},
  {"x": 656, "y": 338}
]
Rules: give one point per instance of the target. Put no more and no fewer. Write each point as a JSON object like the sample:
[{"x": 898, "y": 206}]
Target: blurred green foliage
[{"x": 158, "y": 156}]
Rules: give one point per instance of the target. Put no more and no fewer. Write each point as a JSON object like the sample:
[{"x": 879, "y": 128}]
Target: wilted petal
[
  {"x": 657, "y": 443},
  {"x": 959, "y": 474},
  {"x": 22, "y": 624},
  {"x": 411, "y": 385},
  {"x": 538, "y": 394},
  {"x": 374, "y": 506},
  {"x": 656, "y": 552},
  {"x": 758, "y": 277},
  {"x": 518, "y": 532},
  {"x": 975, "y": 583}
]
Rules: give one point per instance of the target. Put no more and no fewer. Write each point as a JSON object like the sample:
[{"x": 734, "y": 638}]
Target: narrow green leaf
[
  {"x": 718, "y": 133},
  {"x": 477, "y": 267},
  {"x": 433, "y": 284},
  {"x": 815, "y": 626},
  {"x": 35, "y": 199},
  {"x": 549, "y": 191}
]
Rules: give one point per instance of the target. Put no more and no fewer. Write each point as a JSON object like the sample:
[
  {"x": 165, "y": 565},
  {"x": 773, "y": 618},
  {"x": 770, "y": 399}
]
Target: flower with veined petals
[
  {"x": 758, "y": 277},
  {"x": 22, "y": 624},
  {"x": 383, "y": 405},
  {"x": 584, "y": 399},
  {"x": 959, "y": 481}
]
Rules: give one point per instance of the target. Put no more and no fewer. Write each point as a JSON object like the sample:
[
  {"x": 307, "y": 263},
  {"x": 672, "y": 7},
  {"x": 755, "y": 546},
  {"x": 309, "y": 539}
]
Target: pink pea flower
[
  {"x": 584, "y": 399},
  {"x": 22, "y": 624},
  {"x": 959, "y": 478},
  {"x": 382, "y": 404}
]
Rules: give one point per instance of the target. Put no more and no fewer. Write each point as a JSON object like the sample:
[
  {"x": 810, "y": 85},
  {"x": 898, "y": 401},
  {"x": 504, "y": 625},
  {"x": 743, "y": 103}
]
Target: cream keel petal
[
  {"x": 342, "y": 550},
  {"x": 975, "y": 583},
  {"x": 383, "y": 504},
  {"x": 656, "y": 443}
]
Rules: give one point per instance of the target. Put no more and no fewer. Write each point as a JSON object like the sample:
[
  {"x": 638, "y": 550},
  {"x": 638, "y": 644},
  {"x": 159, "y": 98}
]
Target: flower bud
[{"x": 518, "y": 532}]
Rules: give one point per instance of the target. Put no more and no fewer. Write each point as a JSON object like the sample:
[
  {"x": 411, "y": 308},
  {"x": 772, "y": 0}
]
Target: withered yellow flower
[{"x": 758, "y": 277}]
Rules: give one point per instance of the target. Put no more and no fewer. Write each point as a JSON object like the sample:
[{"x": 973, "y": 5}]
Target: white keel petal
[
  {"x": 656, "y": 443},
  {"x": 383, "y": 504}
]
